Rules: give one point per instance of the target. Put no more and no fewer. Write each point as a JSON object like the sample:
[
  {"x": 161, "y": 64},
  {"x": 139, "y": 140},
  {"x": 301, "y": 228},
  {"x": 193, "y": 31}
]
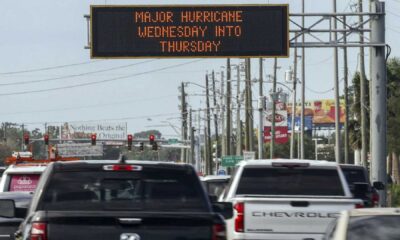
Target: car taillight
[
  {"x": 359, "y": 205},
  {"x": 375, "y": 199},
  {"x": 122, "y": 167},
  {"x": 39, "y": 231},
  {"x": 219, "y": 232},
  {"x": 239, "y": 220}
]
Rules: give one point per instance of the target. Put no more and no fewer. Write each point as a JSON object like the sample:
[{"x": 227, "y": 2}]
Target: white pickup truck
[{"x": 286, "y": 199}]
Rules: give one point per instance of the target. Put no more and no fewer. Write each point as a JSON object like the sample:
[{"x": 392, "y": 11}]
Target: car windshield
[
  {"x": 160, "y": 191},
  {"x": 289, "y": 181},
  {"x": 374, "y": 228}
]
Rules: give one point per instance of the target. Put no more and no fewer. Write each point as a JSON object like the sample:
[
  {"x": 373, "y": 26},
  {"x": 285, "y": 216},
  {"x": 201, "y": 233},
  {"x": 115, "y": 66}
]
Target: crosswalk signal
[
  {"x": 141, "y": 146},
  {"x": 130, "y": 139},
  {"x": 46, "y": 139},
  {"x": 93, "y": 138},
  {"x": 26, "y": 138}
]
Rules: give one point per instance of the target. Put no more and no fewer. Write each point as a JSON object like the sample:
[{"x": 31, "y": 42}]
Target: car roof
[
  {"x": 374, "y": 212},
  {"x": 25, "y": 168},
  {"x": 215, "y": 177},
  {"x": 95, "y": 163},
  {"x": 351, "y": 166},
  {"x": 268, "y": 162}
]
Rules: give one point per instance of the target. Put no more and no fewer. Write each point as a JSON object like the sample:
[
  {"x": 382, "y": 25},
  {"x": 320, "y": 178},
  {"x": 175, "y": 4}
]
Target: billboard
[
  {"x": 308, "y": 124},
  {"x": 281, "y": 124},
  {"x": 104, "y": 131},
  {"x": 137, "y": 31},
  {"x": 321, "y": 111},
  {"x": 79, "y": 150}
]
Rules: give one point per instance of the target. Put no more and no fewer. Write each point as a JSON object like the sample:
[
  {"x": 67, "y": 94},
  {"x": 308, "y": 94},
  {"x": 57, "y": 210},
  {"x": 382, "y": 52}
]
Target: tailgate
[
  {"x": 292, "y": 216},
  {"x": 130, "y": 226}
]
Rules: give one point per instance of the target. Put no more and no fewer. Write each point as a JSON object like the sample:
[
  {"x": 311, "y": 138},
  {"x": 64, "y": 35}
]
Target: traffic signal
[
  {"x": 46, "y": 139},
  {"x": 93, "y": 138},
  {"x": 152, "y": 139},
  {"x": 141, "y": 146},
  {"x": 130, "y": 139},
  {"x": 26, "y": 138}
]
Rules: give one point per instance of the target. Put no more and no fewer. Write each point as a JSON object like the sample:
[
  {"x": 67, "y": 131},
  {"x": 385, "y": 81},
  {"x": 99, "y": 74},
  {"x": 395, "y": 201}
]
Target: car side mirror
[
  {"x": 361, "y": 190},
  {"x": 7, "y": 208},
  {"x": 379, "y": 185},
  {"x": 223, "y": 208}
]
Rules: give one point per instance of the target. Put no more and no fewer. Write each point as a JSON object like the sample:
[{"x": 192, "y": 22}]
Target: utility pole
[
  {"x": 363, "y": 91},
  {"x": 191, "y": 159},
  {"x": 222, "y": 109},
  {"x": 294, "y": 82},
  {"x": 261, "y": 113},
  {"x": 346, "y": 97},
  {"x": 378, "y": 99},
  {"x": 249, "y": 107},
  {"x": 247, "y": 110},
  {"x": 209, "y": 160},
  {"x": 239, "y": 142},
  {"x": 22, "y": 139},
  {"x": 228, "y": 139},
  {"x": 274, "y": 98},
  {"x": 184, "y": 121},
  {"x": 303, "y": 84},
  {"x": 215, "y": 116},
  {"x": 336, "y": 79}
]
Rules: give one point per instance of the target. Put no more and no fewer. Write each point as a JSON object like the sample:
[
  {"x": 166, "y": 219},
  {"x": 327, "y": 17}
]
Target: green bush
[{"x": 395, "y": 195}]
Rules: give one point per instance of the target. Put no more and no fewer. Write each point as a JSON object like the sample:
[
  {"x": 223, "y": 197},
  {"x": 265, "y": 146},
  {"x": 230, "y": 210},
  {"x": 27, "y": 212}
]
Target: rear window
[
  {"x": 216, "y": 187},
  {"x": 23, "y": 182},
  {"x": 354, "y": 175},
  {"x": 373, "y": 228},
  {"x": 145, "y": 190},
  {"x": 289, "y": 181}
]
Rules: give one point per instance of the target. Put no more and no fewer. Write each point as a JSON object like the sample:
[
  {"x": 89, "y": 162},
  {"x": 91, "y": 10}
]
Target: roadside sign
[
  {"x": 249, "y": 155},
  {"x": 173, "y": 141},
  {"x": 79, "y": 150},
  {"x": 138, "y": 31},
  {"x": 230, "y": 161}
]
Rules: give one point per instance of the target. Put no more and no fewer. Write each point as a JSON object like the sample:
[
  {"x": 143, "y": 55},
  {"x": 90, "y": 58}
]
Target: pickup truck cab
[
  {"x": 21, "y": 177},
  {"x": 132, "y": 200},
  {"x": 286, "y": 199}
]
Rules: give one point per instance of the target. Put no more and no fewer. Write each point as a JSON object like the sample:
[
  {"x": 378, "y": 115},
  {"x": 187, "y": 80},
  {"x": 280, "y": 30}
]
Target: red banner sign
[{"x": 281, "y": 134}]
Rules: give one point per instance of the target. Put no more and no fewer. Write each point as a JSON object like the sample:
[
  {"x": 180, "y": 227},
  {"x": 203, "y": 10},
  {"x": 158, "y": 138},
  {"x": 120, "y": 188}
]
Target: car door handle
[{"x": 130, "y": 221}]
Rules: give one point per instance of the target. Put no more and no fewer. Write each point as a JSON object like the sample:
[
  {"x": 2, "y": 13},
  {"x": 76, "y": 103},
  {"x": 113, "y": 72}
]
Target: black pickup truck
[{"x": 122, "y": 200}]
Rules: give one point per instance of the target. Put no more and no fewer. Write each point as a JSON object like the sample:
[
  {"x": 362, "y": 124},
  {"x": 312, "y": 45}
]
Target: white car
[
  {"x": 21, "y": 177},
  {"x": 366, "y": 224},
  {"x": 286, "y": 199}
]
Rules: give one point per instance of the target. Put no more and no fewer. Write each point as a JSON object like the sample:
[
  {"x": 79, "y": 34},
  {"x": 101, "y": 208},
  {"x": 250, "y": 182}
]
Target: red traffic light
[
  {"x": 130, "y": 137},
  {"x": 26, "y": 138},
  {"x": 93, "y": 137},
  {"x": 46, "y": 139},
  {"x": 152, "y": 138}
]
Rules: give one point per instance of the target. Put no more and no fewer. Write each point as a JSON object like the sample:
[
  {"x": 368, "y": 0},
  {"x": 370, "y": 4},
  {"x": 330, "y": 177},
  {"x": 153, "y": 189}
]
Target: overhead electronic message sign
[{"x": 189, "y": 31}]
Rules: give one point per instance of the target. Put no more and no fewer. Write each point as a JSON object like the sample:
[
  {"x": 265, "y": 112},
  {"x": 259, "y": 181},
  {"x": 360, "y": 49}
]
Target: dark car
[
  {"x": 8, "y": 226},
  {"x": 104, "y": 200},
  {"x": 356, "y": 174}
]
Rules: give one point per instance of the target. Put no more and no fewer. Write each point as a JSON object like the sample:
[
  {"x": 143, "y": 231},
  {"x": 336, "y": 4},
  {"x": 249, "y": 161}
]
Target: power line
[
  {"x": 47, "y": 68},
  {"x": 111, "y": 119},
  {"x": 89, "y": 106},
  {"x": 74, "y": 75},
  {"x": 98, "y": 82}
]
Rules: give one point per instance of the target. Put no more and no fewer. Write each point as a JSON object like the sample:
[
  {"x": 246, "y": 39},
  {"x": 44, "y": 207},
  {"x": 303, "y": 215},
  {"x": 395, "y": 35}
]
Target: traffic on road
[{"x": 200, "y": 120}]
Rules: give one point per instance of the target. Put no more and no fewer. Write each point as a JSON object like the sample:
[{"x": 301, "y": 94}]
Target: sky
[{"x": 39, "y": 36}]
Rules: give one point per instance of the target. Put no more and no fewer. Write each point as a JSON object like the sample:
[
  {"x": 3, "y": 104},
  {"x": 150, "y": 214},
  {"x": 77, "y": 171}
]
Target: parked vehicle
[
  {"x": 366, "y": 224},
  {"x": 9, "y": 225},
  {"x": 215, "y": 184},
  {"x": 286, "y": 199},
  {"x": 359, "y": 174},
  {"x": 105, "y": 200}
]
